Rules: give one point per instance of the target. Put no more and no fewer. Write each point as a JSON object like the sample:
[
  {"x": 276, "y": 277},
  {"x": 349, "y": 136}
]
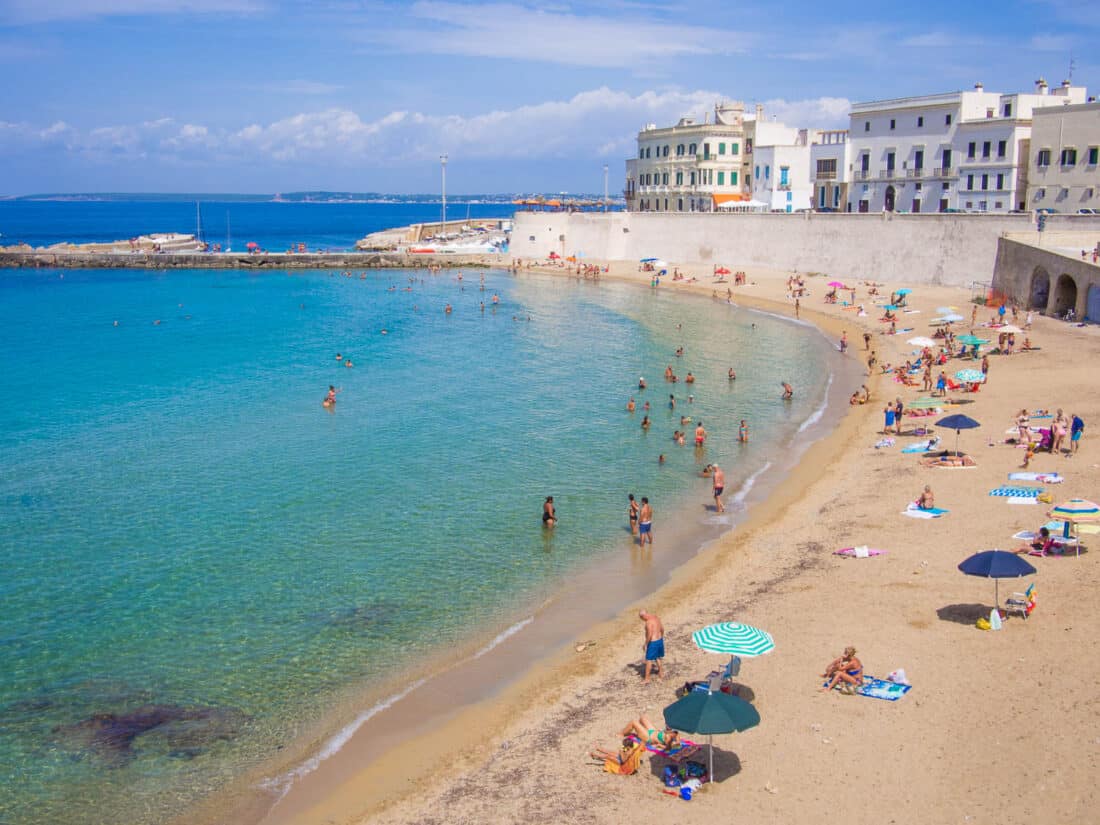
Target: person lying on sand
[
  {"x": 948, "y": 461},
  {"x": 664, "y": 738}
]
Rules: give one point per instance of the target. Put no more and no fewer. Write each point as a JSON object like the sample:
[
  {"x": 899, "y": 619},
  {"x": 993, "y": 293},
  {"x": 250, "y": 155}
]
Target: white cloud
[
  {"x": 1050, "y": 43},
  {"x": 942, "y": 40},
  {"x": 599, "y": 124},
  {"x": 44, "y": 11},
  {"x": 551, "y": 35}
]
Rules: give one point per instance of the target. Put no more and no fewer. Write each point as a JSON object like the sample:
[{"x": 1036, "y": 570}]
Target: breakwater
[{"x": 206, "y": 260}]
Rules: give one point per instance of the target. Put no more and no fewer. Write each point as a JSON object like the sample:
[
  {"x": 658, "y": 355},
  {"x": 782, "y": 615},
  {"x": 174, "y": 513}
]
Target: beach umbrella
[
  {"x": 970, "y": 376},
  {"x": 251, "y": 245},
  {"x": 890, "y": 307},
  {"x": 733, "y": 638},
  {"x": 971, "y": 339},
  {"x": 922, "y": 341},
  {"x": 647, "y": 260},
  {"x": 958, "y": 422},
  {"x": 996, "y": 564},
  {"x": 903, "y": 291},
  {"x": 837, "y": 285},
  {"x": 1076, "y": 509},
  {"x": 1012, "y": 328},
  {"x": 711, "y": 713}
]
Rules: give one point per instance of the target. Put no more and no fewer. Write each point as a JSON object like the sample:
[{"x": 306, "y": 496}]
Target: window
[
  {"x": 889, "y": 161},
  {"x": 1002, "y": 148},
  {"x": 721, "y": 175},
  {"x": 998, "y": 204},
  {"x": 1040, "y": 194},
  {"x": 836, "y": 197},
  {"x": 734, "y": 148},
  {"x": 946, "y": 160},
  {"x": 691, "y": 149},
  {"x": 1069, "y": 157},
  {"x": 679, "y": 204},
  {"x": 989, "y": 112},
  {"x": 866, "y": 126},
  {"x": 892, "y": 123},
  {"x": 970, "y": 204},
  {"x": 985, "y": 149},
  {"x": 946, "y": 185},
  {"x": 920, "y": 121},
  {"x": 679, "y": 178},
  {"x": 666, "y": 151},
  {"x": 748, "y": 146},
  {"x": 1000, "y": 182},
  {"x": 692, "y": 178},
  {"x": 985, "y": 182},
  {"x": 970, "y": 182},
  {"x": 733, "y": 178},
  {"x": 721, "y": 148},
  {"x": 947, "y": 119},
  {"x": 918, "y": 186},
  {"x": 664, "y": 179},
  {"x": 756, "y": 174},
  {"x": 641, "y": 153},
  {"x": 1007, "y": 113},
  {"x": 680, "y": 150},
  {"x": 767, "y": 171},
  {"x": 1043, "y": 158},
  {"x": 971, "y": 149},
  {"x": 826, "y": 168},
  {"x": 918, "y": 159},
  {"x": 1094, "y": 155},
  {"x": 706, "y": 150},
  {"x": 821, "y": 198},
  {"x": 648, "y": 149}
]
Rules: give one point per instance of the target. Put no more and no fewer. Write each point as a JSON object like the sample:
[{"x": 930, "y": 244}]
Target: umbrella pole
[
  {"x": 956, "y": 443},
  {"x": 710, "y": 750},
  {"x": 996, "y": 594}
]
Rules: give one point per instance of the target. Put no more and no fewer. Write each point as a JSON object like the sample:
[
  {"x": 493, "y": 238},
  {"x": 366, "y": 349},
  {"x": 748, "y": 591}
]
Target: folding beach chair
[{"x": 1022, "y": 603}]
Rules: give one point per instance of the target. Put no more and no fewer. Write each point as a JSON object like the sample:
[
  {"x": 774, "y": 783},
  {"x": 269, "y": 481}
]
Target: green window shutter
[{"x": 721, "y": 175}]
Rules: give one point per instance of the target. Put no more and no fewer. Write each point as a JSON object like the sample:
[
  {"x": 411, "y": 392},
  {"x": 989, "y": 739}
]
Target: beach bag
[
  {"x": 994, "y": 619},
  {"x": 671, "y": 777},
  {"x": 982, "y": 623},
  {"x": 693, "y": 770}
]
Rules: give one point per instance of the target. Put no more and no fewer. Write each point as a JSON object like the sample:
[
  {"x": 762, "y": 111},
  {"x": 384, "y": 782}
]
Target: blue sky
[{"x": 271, "y": 95}]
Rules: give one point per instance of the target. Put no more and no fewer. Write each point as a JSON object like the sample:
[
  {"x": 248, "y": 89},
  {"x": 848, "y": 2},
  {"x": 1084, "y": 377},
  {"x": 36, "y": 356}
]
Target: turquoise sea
[{"x": 200, "y": 561}]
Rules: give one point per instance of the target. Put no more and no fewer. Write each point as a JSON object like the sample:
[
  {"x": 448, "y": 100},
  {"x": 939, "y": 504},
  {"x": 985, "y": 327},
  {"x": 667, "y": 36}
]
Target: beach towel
[
  {"x": 911, "y": 311},
  {"x": 1021, "y": 500},
  {"x": 685, "y": 748},
  {"x": 858, "y": 552},
  {"x": 921, "y": 446},
  {"x": 884, "y": 442},
  {"x": 1008, "y": 490},
  {"x": 1044, "y": 478},
  {"x": 881, "y": 689},
  {"x": 913, "y": 511}
]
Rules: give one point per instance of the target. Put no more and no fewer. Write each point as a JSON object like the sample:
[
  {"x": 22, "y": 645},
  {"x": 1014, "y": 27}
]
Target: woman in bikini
[
  {"x": 632, "y": 514},
  {"x": 664, "y": 738},
  {"x": 846, "y": 668}
]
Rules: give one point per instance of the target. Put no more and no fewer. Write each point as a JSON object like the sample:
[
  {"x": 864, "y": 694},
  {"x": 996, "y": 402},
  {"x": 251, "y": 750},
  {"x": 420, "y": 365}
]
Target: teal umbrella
[
  {"x": 904, "y": 291},
  {"x": 733, "y": 638},
  {"x": 711, "y": 713}
]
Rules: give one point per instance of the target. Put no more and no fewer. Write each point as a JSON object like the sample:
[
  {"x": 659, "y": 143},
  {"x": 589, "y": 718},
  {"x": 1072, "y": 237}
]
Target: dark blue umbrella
[
  {"x": 958, "y": 422},
  {"x": 711, "y": 713},
  {"x": 996, "y": 564}
]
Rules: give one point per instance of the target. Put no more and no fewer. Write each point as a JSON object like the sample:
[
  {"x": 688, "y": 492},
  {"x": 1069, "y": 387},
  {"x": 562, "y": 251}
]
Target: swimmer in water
[
  {"x": 700, "y": 435},
  {"x": 330, "y": 399},
  {"x": 671, "y": 401},
  {"x": 732, "y": 375},
  {"x": 743, "y": 432},
  {"x": 645, "y": 422},
  {"x": 549, "y": 515},
  {"x": 339, "y": 357},
  {"x": 788, "y": 391},
  {"x": 641, "y": 383},
  {"x": 690, "y": 379},
  {"x": 448, "y": 309},
  {"x": 630, "y": 405}
]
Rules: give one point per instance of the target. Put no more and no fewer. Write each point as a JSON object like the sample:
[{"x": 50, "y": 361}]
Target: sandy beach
[{"x": 999, "y": 726}]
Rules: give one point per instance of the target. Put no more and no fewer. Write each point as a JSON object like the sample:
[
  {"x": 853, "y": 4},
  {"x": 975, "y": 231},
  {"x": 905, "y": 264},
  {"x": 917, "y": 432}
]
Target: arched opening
[
  {"x": 1092, "y": 308},
  {"x": 888, "y": 203},
  {"x": 1040, "y": 289},
  {"x": 1065, "y": 294}
]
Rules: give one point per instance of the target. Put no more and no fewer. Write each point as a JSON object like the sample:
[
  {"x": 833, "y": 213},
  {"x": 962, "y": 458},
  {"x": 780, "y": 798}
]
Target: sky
[{"x": 279, "y": 96}]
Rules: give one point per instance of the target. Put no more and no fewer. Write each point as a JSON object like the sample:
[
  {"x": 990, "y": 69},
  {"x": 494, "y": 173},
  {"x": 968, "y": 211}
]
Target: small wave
[
  {"x": 738, "y": 498},
  {"x": 815, "y": 416},
  {"x": 504, "y": 634},
  {"x": 280, "y": 785}
]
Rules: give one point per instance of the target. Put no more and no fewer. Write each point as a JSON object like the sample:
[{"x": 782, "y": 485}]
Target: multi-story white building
[
  {"x": 689, "y": 167},
  {"x": 829, "y": 170},
  {"x": 781, "y": 174},
  {"x": 963, "y": 151},
  {"x": 1064, "y": 162}
]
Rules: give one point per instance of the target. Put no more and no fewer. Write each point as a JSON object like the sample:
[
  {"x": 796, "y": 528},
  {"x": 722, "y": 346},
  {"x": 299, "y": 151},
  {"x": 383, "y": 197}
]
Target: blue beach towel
[
  {"x": 881, "y": 689},
  {"x": 913, "y": 511},
  {"x": 921, "y": 447},
  {"x": 1016, "y": 492}
]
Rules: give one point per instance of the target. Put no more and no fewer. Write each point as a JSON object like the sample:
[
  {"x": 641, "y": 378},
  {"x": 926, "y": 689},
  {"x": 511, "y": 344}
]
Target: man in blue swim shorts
[{"x": 654, "y": 643}]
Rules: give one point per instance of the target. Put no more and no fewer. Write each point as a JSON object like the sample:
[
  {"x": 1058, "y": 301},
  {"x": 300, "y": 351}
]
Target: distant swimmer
[
  {"x": 700, "y": 435},
  {"x": 645, "y": 519},
  {"x": 447, "y": 310},
  {"x": 156, "y": 323},
  {"x": 743, "y": 432},
  {"x": 685, "y": 419},
  {"x": 690, "y": 378},
  {"x": 645, "y": 422},
  {"x": 482, "y": 306},
  {"x": 116, "y": 323},
  {"x": 496, "y": 298},
  {"x": 384, "y": 332},
  {"x": 732, "y": 375},
  {"x": 641, "y": 383},
  {"x": 549, "y": 514},
  {"x": 679, "y": 352},
  {"x": 671, "y": 401},
  {"x": 719, "y": 481},
  {"x": 348, "y": 363},
  {"x": 788, "y": 391},
  {"x": 669, "y": 375},
  {"x": 330, "y": 399},
  {"x": 339, "y": 357},
  {"x": 645, "y": 406},
  {"x": 661, "y": 458},
  {"x": 630, "y": 405},
  {"x": 632, "y": 514}
]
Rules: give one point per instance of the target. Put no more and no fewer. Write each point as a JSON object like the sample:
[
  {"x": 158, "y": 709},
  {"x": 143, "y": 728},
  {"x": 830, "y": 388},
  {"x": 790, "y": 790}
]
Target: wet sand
[{"x": 1000, "y": 727}]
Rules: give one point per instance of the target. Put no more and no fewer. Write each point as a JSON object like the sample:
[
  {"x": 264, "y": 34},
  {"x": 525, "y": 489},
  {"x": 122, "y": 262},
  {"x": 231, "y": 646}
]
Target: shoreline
[
  {"x": 505, "y": 699},
  {"x": 41, "y": 259},
  {"x": 512, "y": 757}
]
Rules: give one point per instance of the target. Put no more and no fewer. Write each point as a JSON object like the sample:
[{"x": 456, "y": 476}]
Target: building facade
[
  {"x": 959, "y": 151},
  {"x": 1064, "y": 161},
  {"x": 829, "y": 171},
  {"x": 688, "y": 167},
  {"x": 780, "y": 174}
]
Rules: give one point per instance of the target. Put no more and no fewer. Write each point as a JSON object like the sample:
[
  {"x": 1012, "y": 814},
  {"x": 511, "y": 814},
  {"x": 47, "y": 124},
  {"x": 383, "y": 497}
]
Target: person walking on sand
[
  {"x": 632, "y": 514},
  {"x": 866, "y": 341},
  {"x": 645, "y": 524},
  {"x": 719, "y": 481},
  {"x": 797, "y": 306},
  {"x": 844, "y": 341},
  {"x": 1076, "y": 430},
  {"x": 654, "y": 645}
]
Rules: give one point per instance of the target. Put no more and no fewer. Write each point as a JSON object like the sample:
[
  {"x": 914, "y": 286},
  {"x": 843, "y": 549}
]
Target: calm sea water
[
  {"x": 199, "y": 559},
  {"x": 274, "y": 226}
]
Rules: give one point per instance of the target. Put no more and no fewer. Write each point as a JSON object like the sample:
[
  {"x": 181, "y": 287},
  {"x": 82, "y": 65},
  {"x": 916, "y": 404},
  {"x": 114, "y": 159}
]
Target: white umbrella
[
  {"x": 922, "y": 341},
  {"x": 1010, "y": 328}
]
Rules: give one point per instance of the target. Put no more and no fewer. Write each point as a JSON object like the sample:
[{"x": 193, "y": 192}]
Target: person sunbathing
[
  {"x": 845, "y": 669},
  {"x": 649, "y": 734},
  {"x": 948, "y": 461},
  {"x": 926, "y": 500},
  {"x": 624, "y": 761}
]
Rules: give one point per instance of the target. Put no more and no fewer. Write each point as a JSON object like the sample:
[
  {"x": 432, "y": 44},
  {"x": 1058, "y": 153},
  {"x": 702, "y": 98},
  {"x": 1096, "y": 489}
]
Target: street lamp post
[
  {"x": 605, "y": 187},
  {"x": 443, "y": 166}
]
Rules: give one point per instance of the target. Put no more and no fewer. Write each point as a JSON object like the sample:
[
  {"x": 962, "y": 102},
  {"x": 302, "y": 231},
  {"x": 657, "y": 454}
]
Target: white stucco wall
[{"x": 944, "y": 249}]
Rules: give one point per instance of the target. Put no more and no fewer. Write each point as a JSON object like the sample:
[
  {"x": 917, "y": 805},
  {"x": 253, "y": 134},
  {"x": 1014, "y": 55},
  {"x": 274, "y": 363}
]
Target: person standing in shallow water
[
  {"x": 719, "y": 481},
  {"x": 632, "y": 514},
  {"x": 645, "y": 523},
  {"x": 549, "y": 514}
]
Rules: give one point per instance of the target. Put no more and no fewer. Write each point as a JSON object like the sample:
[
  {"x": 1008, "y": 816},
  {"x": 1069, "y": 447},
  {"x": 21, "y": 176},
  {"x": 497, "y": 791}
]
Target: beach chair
[
  {"x": 628, "y": 762},
  {"x": 1022, "y": 603}
]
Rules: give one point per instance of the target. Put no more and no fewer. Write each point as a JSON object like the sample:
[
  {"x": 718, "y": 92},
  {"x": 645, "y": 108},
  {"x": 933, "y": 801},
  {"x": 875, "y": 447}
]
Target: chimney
[
  {"x": 1040, "y": 86},
  {"x": 978, "y": 87},
  {"x": 759, "y": 111}
]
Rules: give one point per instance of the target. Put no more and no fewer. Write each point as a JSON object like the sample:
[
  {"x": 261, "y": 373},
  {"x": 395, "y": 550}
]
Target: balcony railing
[
  {"x": 889, "y": 173},
  {"x": 783, "y": 187},
  {"x": 942, "y": 172},
  {"x": 825, "y": 175},
  {"x": 861, "y": 174},
  {"x": 914, "y": 173}
]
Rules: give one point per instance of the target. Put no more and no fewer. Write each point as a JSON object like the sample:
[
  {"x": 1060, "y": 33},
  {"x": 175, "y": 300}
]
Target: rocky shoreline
[{"x": 206, "y": 260}]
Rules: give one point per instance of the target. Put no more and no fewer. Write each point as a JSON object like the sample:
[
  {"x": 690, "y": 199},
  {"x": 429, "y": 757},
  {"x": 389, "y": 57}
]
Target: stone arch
[
  {"x": 889, "y": 199},
  {"x": 1039, "y": 292},
  {"x": 1065, "y": 294}
]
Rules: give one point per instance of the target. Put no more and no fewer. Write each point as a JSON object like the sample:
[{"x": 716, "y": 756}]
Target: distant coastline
[{"x": 281, "y": 197}]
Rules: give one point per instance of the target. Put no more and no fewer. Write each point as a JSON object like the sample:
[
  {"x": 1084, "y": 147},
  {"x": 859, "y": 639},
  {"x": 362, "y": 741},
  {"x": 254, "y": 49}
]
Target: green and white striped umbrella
[{"x": 733, "y": 638}]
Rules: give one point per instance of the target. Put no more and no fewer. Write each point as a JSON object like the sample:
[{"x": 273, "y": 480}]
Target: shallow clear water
[{"x": 188, "y": 537}]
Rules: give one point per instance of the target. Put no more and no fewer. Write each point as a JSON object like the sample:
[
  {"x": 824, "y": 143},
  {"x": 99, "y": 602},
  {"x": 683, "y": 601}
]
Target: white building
[
  {"x": 829, "y": 170},
  {"x": 962, "y": 151},
  {"x": 781, "y": 174},
  {"x": 1064, "y": 163},
  {"x": 689, "y": 167}
]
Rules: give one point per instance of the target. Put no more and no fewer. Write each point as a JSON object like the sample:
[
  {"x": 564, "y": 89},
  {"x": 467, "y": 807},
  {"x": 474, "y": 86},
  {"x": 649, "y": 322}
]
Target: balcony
[
  {"x": 889, "y": 173},
  {"x": 942, "y": 172},
  {"x": 914, "y": 173},
  {"x": 861, "y": 174},
  {"x": 783, "y": 187},
  {"x": 831, "y": 175}
]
